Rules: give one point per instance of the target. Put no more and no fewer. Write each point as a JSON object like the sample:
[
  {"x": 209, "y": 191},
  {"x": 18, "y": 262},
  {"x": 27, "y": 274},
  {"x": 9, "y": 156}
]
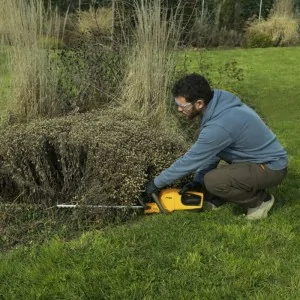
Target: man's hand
[
  {"x": 151, "y": 188},
  {"x": 191, "y": 186}
]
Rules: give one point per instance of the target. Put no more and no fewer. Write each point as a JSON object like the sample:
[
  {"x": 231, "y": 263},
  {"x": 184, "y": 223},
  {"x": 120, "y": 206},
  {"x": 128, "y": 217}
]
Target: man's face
[{"x": 190, "y": 110}]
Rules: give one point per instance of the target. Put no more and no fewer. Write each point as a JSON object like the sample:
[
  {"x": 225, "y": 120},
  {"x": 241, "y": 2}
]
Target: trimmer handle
[
  {"x": 142, "y": 203},
  {"x": 156, "y": 200}
]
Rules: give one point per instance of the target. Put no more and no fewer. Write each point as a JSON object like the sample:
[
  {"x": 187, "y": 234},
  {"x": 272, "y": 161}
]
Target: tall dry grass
[
  {"x": 30, "y": 31},
  {"x": 281, "y": 26},
  {"x": 95, "y": 19},
  {"x": 283, "y": 8},
  {"x": 151, "y": 61}
]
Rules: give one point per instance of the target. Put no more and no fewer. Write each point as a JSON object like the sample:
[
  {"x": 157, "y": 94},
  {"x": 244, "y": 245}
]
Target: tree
[
  {"x": 226, "y": 16},
  {"x": 73, "y": 5},
  {"x": 251, "y": 8}
]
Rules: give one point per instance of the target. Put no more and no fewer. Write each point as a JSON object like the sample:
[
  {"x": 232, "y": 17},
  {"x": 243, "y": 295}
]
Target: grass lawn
[{"x": 187, "y": 255}]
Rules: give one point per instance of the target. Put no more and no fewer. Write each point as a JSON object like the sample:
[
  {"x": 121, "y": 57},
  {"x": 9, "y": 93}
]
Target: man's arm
[{"x": 201, "y": 156}]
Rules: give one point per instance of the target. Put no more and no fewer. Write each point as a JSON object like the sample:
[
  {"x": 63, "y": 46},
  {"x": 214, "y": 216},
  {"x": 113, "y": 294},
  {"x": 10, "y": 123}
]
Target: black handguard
[{"x": 191, "y": 186}]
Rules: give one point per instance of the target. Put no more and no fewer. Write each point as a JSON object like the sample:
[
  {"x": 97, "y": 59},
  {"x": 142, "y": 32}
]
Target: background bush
[
  {"x": 89, "y": 76},
  {"x": 257, "y": 39},
  {"x": 281, "y": 28},
  {"x": 276, "y": 31},
  {"x": 206, "y": 33}
]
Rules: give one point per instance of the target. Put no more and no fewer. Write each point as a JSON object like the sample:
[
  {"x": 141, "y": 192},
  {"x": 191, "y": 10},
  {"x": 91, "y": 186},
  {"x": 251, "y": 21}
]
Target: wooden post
[{"x": 260, "y": 8}]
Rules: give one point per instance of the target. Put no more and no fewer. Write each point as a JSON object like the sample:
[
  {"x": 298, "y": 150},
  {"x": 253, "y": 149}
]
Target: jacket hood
[{"x": 221, "y": 101}]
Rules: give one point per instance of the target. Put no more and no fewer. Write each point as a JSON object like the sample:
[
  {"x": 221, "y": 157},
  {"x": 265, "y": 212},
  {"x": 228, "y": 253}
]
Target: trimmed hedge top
[{"x": 99, "y": 157}]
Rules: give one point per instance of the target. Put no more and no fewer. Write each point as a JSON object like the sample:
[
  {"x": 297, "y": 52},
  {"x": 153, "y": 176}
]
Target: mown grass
[
  {"x": 207, "y": 255},
  {"x": 184, "y": 256}
]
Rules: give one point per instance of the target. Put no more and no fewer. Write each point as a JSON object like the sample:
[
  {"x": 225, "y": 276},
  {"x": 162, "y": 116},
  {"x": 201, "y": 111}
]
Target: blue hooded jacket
[{"x": 231, "y": 131}]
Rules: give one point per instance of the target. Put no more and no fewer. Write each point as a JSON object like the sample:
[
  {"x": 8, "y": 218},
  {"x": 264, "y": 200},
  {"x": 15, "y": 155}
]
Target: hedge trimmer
[{"x": 166, "y": 202}]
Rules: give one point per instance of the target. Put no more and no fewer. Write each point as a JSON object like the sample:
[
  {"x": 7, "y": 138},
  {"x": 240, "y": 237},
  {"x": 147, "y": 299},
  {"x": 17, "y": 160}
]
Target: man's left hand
[{"x": 151, "y": 188}]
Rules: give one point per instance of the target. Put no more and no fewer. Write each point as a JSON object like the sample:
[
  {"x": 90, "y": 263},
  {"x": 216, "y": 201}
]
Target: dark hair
[{"x": 193, "y": 87}]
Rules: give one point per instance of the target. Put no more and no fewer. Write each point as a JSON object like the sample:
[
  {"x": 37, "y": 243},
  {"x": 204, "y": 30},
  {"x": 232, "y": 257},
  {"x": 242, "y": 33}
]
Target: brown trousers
[{"x": 243, "y": 183}]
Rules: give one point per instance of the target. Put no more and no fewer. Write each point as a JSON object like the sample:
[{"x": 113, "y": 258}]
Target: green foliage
[
  {"x": 89, "y": 69},
  {"x": 96, "y": 158},
  {"x": 90, "y": 157},
  {"x": 206, "y": 33},
  {"x": 248, "y": 9},
  {"x": 27, "y": 224},
  {"x": 227, "y": 14},
  {"x": 256, "y": 39},
  {"x": 89, "y": 76}
]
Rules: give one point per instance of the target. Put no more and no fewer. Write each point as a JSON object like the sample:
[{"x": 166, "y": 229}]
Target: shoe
[
  {"x": 210, "y": 206},
  {"x": 213, "y": 204},
  {"x": 261, "y": 211}
]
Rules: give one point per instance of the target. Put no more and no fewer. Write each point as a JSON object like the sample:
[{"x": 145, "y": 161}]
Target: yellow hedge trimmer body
[{"x": 170, "y": 200}]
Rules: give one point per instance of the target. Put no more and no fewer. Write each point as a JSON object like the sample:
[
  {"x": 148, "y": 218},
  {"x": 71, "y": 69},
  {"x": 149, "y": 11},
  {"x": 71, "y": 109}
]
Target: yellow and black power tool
[
  {"x": 167, "y": 201},
  {"x": 170, "y": 200}
]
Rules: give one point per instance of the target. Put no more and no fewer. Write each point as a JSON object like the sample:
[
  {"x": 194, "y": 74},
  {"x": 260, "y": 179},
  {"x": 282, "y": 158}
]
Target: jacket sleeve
[{"x": 203, "y": 155}]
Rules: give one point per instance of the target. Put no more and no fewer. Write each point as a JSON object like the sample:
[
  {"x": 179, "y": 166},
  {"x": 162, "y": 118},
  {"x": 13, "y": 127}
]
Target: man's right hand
[{"x": 191, "y": 186}]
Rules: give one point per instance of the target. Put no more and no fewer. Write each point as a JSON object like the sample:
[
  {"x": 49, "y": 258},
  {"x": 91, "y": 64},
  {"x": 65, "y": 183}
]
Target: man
[{"x": 229, "y": 131}]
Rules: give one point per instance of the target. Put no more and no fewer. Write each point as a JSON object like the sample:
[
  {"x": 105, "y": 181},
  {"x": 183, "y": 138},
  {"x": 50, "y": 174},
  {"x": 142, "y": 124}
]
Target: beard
[{"x": 194, "y": 113}]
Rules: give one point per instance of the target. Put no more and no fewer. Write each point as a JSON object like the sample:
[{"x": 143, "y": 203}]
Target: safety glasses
[{"x": 183, "y": 106}]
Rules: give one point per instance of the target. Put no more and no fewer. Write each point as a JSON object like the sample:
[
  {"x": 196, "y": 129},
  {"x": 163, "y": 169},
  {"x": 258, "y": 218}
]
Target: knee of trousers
[
  {"x": 209, "y": 182},
  {"x": 214, "y": 183}
]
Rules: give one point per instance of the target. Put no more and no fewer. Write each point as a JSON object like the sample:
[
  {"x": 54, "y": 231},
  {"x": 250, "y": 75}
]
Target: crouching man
[{"x": 229, "y": 131}]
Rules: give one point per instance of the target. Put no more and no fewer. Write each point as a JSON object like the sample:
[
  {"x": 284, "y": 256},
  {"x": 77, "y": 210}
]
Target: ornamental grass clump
[
  {"x": 151, "y": 61},
  {"x": 32, "y": 32},
  {"x": 94, "y": 158}
]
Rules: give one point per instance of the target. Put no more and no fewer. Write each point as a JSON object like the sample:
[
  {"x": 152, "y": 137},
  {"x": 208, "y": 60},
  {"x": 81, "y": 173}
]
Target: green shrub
[
  {"x": 93, "y": 158},
  {"x": 256, "y": 39},
  {"x": 89, "y": 69},
  {"x": 88, "y": 158},
  {"x": 88, "y": 75}
]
